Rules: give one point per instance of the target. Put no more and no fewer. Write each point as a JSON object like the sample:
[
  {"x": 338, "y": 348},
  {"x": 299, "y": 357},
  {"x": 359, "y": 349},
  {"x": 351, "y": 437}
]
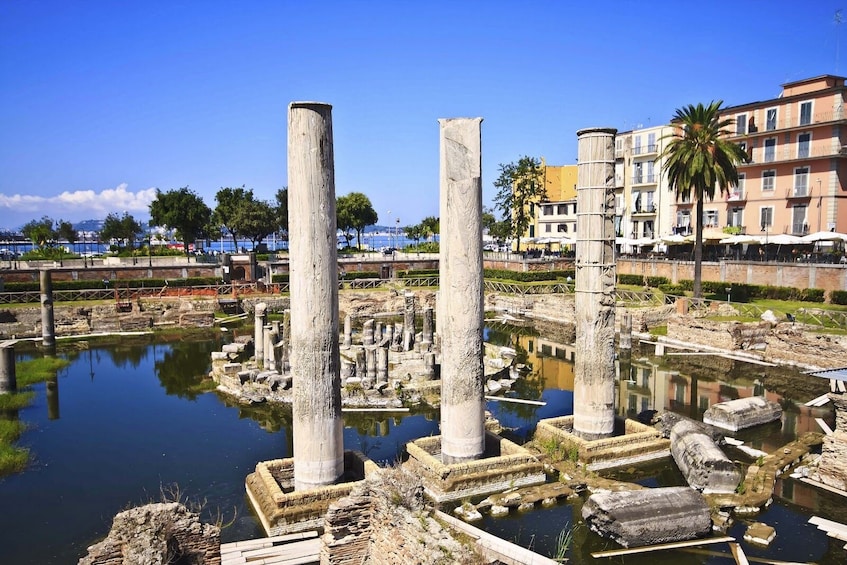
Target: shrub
[
  {"x": 637, "y": 280},
  {"x": 528, "y": 276},
  {"x": 838, "y": 296},
  {"x": 812, "y": 295},
  {"x": 675, "y": 289},
  {"x": 417, "y": 273},
  {"x": 352, "y": 275},
  {"x": 654, "y": 282}
]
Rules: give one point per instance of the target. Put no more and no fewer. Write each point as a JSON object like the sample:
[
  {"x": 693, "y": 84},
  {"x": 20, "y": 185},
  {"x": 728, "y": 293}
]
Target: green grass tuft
[
  {"x": 15, "y": 401},
  {"x": 10, "y": 431},
  {"x": 38, "y": 370},
  {"x": 12, "y": 459}
]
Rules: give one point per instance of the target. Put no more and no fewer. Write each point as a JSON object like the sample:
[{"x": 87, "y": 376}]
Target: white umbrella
[
  {"x": 784, "y": 239},
  {"x": 741, "y": 239},
  {"x": 675, "y": 239},
  {"x": 645, "y": 241},
  {"x": 824, "y": 236}
]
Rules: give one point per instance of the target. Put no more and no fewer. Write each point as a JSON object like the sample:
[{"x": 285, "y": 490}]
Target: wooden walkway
[{"x": 291, "y": 549}]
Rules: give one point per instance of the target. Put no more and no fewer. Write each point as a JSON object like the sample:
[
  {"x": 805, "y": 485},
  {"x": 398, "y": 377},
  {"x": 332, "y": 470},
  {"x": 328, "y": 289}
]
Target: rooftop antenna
[{"x": 837, "y": 20}]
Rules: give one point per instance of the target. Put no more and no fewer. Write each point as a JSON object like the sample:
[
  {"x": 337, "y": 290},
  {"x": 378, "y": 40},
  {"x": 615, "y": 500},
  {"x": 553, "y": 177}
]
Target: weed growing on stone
[{"x": 12, "y": 459}]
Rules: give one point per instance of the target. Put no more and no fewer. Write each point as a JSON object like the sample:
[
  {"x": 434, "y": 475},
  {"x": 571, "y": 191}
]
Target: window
[
  {"x": 651, "y": 143},
  {"x": 770, "y": 124},
  {"x": 741, "y": 124},
  {"x": 710, "y": 218},
  {"x": 805, "y": 113},
  {"x": 650, "y": 175},
  {"x": 648, "y": 228},
  {"x": 562, "y": 209},
  {"x": 651, "y": 206},
  {"x": 637, "y": 148},
  {"x": 735, "y": 217},
  {"x": 770, "y": 150},
  {"x": 743, "y": 146},
  {"x": 562, "y": 228},
  {"x": 737, "y": 192},
  {"x": 548, "y": 210},
  {"x": 636, "y": 202},
  {"x": 766, "y": 218},
  {"x": 618, "y": 143},
  {"x": 531, "y": 231},
  {"x": 768, "y": 180},
  {"x": 801, "y": 181},
  {"x": 638, "y": 176},
  {"x": 804, "y": 141},
  {"x": 547, "y": 228},
  {"x": 798, "y": 219},
  {"x": 683, "y": 221}
]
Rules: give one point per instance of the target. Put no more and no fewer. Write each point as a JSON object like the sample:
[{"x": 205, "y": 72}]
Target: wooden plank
[
  {"x": 661, "y": 546},
  {"x": 516, "y": 400},
  {"x": 749, "y": 558},
  {"x": 290, "y": 550},
  {"x": 374, "y": 409},
  {"x": 272, "y": 540},
  {"x": 738, "y": 553},
  {"x": 819, "y": 401},
  {"x": 826, "y": 429},
  {"x": 829, "y": 525},
  {"x": 833, "y": 490}
]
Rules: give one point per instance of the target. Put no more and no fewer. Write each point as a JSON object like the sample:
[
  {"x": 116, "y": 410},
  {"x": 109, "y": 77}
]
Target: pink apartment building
[{"x": 796, "y": 182}]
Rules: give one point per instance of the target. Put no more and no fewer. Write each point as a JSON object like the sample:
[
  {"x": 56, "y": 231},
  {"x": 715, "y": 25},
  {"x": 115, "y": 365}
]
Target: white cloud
[{"x": 18, "y": 209}]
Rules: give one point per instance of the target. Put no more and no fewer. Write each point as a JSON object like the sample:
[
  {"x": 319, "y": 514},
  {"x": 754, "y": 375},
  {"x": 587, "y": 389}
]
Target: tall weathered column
[
  {"x": 315, "y": 359},
  {"x": 594, "y": 367},
  {"x": 8, "y": 375},
  {"x": 259, "y": 318},
  {"x": 461, "y": 291},
  {"x": 348, "y": 332},
  {"x": 426, "y": 333},
  {"x": 48, "y": 328},
  {"x": 408, "y": 321}
]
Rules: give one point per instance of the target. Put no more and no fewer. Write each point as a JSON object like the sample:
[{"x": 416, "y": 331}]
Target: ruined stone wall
[
  {"x": 384, "y": 522},
  {"x": 157, "y": 533}
]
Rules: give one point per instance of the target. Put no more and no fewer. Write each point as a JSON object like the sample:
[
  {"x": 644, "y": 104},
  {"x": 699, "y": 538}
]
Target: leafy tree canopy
[
  {"x": 40, "y": 232},
  {"x": 354, "y": 211},
  {"x": 282, "y": 209},
  {"x": 182, "y": 210},
  {"x": 697, "y": 160},
  {"x": 519, "y": 186},
  {"x": 65, "y": 230},
  {"x": 255, "y": 219},
  {"x": 124, "y": 228}
]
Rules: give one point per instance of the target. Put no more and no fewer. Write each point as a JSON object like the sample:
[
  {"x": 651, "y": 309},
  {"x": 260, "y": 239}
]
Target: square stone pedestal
[
  {"x": 503, "y": 465},
  {"x": 638, "y": 444},
  {"x": 282, "y": 510}
]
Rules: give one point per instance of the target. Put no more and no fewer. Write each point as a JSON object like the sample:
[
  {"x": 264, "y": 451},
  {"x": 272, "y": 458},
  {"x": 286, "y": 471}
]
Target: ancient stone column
[
  {"x": 361, "y": 364},
  {"x": 348, "y": 370},
  {"x": 368, "y": 333},
  {"x": 426, "y": 334},
  {"x": 377, "y": 332},
  {"x": 370, "y": 362},
  {"x": 315, "y": 360},
  {"x": 389, "y": 334},
  {"x": 270, "y": 350},
  {"x": 594, "y": 291},
  {"x": 348, "y": 332},
  {"x": 382, "y": 365},
  {"x": 259, "y": 333},
  {"x": 461, "y": 290},
  {"x": 48, "y": 328},
  {"x": 429, "y": 365},
  {"x": 285, "y": 338},
  {"x": 226, "y": 268},
  {"x": 408, "y": 321},
  {"x": 8, "y": 376}
]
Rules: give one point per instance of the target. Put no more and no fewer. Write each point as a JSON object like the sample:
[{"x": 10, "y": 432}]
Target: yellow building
[{"x": 555, "y": 215}]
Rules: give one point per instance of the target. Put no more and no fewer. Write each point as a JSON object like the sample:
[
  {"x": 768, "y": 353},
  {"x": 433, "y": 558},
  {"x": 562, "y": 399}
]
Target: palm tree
[{"x": 696, "y": 160}]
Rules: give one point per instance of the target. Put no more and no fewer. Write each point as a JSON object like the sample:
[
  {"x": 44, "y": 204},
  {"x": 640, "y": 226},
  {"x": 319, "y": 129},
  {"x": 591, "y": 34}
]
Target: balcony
[
  {"x": 644, "y": 210},
  {"x": 645, "y": 179},
  {"x": 818, "y": 119},
  {"x": 736, "y": 195},
  {"x": 799, "y": 229},
  {"x": 649, "y": 149},
  {"x": 791, "y": 152},
  {"x": 800, "y": 191}
]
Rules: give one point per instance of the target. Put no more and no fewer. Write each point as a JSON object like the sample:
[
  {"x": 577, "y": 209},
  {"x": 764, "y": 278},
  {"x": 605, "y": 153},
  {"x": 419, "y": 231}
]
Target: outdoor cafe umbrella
[
  {"x": 741, "y": 239},
  {"x": 824, "y": 236}
]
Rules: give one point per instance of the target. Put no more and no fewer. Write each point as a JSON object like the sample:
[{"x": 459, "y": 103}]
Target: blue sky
[{"x": 101, "y": 102}]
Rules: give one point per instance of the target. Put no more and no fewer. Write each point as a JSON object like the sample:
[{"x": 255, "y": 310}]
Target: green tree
[
  {"x": 228, "y": 200},
  {"x": 414, "y": 233},
  {"x": 65, "y": 230},
  {"x": 698, "y": 159},
  {"x": 124, "y": 229},
  {"x": 519, "y": 187},
  {"x": 40, "y": 232},
  {"x": 430, "y": 226},
  {"x": 282, "y": 210},
  {"x": 182, "y": 210},
  {"x": 354, "y": 211},
  {"x": 255, "y": 220}
]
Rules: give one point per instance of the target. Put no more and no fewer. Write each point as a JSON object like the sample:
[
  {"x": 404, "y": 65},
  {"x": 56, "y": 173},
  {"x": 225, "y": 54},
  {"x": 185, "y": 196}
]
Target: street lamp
[
  {"x": 149, "y": 251},
  {"x": 820, "y": 203},
  {"x": 390, "y": 243}
]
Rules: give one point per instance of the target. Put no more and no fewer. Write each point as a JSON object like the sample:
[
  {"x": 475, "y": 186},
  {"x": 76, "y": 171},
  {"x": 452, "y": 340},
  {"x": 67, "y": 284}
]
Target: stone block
[
  {"x": 759, "y": 534},
  {"x": 742, "y": 413},
  {"x": 649, "y": 516}
]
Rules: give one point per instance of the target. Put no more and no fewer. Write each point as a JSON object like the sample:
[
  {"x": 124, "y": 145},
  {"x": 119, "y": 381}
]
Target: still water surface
[{"x": 126, "y": 419}]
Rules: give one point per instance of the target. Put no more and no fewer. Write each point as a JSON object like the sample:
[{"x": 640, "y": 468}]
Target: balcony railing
[
  {"x": 736, "y": 195},
  {"x": 645, "y": 179},
  {"x": 645, "y": 149},
  {"x": 790, "y": 152},
  {"x": 794, "y": 122},
  {"x": 648, "y": 209},
  {"x": 798, "y": 192}
]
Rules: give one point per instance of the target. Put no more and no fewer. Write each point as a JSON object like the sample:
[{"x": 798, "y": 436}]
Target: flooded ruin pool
[{"x": 131, "y": 420}]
